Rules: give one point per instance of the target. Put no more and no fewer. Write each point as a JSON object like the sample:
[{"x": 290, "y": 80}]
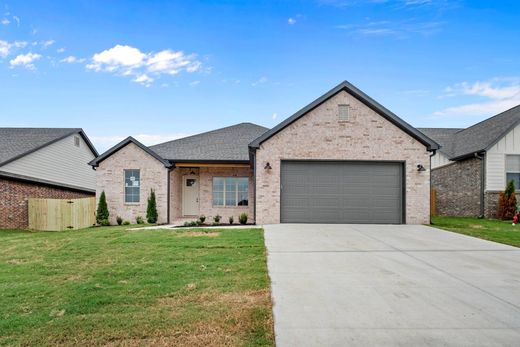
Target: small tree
[
  {"x": 151, "y": 210},
  {"x": 507, "y": 202},
  {"x": 102, "y": 209}
]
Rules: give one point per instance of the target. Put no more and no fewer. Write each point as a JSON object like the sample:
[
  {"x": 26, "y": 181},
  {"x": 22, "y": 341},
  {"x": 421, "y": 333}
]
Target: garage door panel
[{"x": 341, "y": 192}]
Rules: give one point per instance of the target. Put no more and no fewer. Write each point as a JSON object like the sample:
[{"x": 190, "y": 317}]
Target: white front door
[{"x": 190, "y": 196}]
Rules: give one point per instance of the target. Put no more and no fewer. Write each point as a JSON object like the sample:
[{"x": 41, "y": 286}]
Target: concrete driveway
[{"x": 383, "y": 285}]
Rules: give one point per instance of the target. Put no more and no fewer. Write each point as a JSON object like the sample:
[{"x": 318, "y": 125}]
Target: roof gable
[
  {"x": 128, "y": 140},
  {"x": 365, "y": 99},
  {"x": 16, "y": 143}
]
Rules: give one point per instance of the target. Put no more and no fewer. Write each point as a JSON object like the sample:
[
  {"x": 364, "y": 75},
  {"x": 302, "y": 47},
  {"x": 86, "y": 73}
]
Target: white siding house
[{"x": 496, "y": 158}]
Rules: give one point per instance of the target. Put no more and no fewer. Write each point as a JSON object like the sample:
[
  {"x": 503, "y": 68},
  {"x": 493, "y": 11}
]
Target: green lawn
[
  {"x": 112, "y": 286},
  {"x": 488, "y": 229}
]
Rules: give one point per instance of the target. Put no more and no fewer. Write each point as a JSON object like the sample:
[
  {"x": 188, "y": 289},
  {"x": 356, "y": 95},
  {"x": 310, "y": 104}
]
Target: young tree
[
  {"x": 151, "y": 209},
  {"x": 102, "y": 210},
  {"x": 507, "y": 202}
]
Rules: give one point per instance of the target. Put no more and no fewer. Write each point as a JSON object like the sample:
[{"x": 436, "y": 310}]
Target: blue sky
[{"x": 158, "y": 70}]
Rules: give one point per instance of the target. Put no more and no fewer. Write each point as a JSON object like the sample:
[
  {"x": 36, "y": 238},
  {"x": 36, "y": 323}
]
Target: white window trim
[
  {"x": 224, "y": 192},
  {"x": 517, "y": 189},
  {"x": 124, "y": 187}
]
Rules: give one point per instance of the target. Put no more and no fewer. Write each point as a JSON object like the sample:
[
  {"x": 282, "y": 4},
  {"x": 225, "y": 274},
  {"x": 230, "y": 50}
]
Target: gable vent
[{"x": 343, "y": 112}]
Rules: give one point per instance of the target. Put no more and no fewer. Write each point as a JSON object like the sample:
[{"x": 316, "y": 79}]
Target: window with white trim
[
  {"x": 513, "y": 170},
  {"x": 230, "y": 191},
  {"x": 132, "y": 185}
]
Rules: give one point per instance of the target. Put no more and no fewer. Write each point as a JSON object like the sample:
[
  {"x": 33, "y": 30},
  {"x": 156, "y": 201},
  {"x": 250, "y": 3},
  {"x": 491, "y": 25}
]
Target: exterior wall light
[
  {"x": 420, "y": 168},
  {"x": 267, "y": 166}
]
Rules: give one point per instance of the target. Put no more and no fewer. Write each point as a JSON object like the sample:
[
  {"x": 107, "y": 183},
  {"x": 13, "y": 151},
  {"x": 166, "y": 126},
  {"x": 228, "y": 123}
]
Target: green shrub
[
  {"x": 104, "y": 222},
  {"x": 119, "y": 220},
  {"x": 216, "y": 219},
  {"x": 243, "y": 218},
  {"x": 192, "y": 223},
  {"x": 126, "y": 222},
  {"x": 102, "y": 210},
  {"x": 231, "y": 219},
  {"x": 202, "y": 219},
  {"x": 151, "y": 209},
  {"x": 139, "y": 220},
  {"x": 507, "y": 202}
]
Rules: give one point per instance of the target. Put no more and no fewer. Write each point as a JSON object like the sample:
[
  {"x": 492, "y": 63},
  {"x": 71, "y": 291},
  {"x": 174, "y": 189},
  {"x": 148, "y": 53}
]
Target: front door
[{"x": 190, "y": 196}]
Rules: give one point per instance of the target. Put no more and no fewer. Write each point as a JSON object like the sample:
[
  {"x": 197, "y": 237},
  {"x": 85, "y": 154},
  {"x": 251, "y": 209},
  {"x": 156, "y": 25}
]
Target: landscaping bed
[
  {"x": 488, "y": 229},
  {"x": 108, "y": 286}
]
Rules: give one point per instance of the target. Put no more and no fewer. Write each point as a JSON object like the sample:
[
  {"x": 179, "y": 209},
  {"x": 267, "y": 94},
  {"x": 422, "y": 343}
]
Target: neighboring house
[
  {"x": 42, "y": 163},
  {"x": 343, "y": 158},
  {"x": 474, "y": 164}
]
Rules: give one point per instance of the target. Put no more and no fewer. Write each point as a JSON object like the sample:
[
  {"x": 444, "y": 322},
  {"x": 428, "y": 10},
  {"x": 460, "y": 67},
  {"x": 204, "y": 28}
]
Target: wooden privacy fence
[
  {"x": 61, "y": 214},
  {"x": 433, "y": 202}
]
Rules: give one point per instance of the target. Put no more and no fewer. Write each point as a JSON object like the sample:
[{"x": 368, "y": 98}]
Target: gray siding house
[
  {"x": 42, "y": 163},
  {"x": 474, "y": 164}
]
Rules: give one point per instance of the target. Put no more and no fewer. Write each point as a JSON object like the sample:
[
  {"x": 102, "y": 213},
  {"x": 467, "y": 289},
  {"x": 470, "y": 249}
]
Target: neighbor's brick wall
[
  {"x": 206, "y": 192},
  {"x": 458, "y": 188},
  {"x": 110, "y": 178},
  {"x": 14, "y": 196},
  {"x": 366, "y": 136},
  {"x": 491, "y": 203}
]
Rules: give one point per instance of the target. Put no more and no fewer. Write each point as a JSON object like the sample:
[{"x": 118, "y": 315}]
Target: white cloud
[
  {"x": 20, "y": 44},
  {"x": 5, "y": 48},
  {"x": 25, "y": 60},
  {"x": 47, "y": 44},
  {"x": 194, "y": 83},
  {"x": 72, "y": 59},
  {"x": 261, "y": 80},
  {"x": 274, "y": 116},
  {"x": 291, "y": 21},
  {"x": 60, "y": 50},
  {"x": 105, "y": 142},
  {"x": 494, "y": 96},
  {"x": 5, "y": 21},
  {"x": 130, "y": 61},
  {"x": 17, "y": 20}
]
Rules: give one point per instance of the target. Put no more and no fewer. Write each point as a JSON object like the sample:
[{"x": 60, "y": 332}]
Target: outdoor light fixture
[
  {"x": 420, "y": 168},
  {"x": 267, "y": 166},
  {"x": 192, "y": 172}
]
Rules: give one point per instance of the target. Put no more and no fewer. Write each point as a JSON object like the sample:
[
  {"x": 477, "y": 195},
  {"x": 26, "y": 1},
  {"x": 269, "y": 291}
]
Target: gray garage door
[{"x": 341, "y": 192}]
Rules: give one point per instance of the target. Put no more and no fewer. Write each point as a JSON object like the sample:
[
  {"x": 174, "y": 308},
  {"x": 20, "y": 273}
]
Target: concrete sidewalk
[{"x": 384, "y": 285}]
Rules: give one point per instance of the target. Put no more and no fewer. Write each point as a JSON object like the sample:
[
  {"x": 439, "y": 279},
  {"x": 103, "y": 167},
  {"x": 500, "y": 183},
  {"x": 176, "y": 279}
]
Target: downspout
[
  {"x": 431, "y": 155},
  {"x": 168, "y": 189},
  {"x": 253, "y": 156},
  {"x": 482, "y": 181}
]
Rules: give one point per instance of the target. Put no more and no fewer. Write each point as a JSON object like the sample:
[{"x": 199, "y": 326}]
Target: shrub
[
  {"x": 216, "y": 219},
  {"x": 151, "y": 209},
  {"x": 243, "y": 218},
  {"x": 126, "y": 222},
  {"x": 202, "y": 219},
  {"x": 192, "y": 223},
  {"x": 119, "y": 220},
  {"x": 104, "y": 222},
  {"x": 507, "y": 202},
  {"x": 102, "y": 209},
  {"x": 139, "y": 220},
  {"x": 231, "y": 219}
]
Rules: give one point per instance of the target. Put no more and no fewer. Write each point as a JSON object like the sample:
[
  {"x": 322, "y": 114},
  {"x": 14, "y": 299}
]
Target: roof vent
[{"x": 343, "y": 112}]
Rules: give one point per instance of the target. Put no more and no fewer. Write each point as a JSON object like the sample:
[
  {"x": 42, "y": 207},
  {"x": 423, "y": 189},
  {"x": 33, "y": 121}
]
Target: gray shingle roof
[
  {"x": 17, "y": 142},
  {"x": 225, "y": 144},
  {"x": 476, "y": 138}
]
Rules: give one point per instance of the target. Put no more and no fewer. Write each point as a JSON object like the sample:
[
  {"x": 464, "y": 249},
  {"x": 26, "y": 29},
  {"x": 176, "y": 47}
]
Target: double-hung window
[
  {"x": 132, "y": 186},
  {"x": 513, "y": 170},
  {"x": 230, "y": 191}
]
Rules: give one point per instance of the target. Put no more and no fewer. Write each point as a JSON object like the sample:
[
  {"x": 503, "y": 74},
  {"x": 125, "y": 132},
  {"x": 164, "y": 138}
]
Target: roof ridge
[
  {"x": 492, "y": 117},
  {"x": 207, "y": 132}
]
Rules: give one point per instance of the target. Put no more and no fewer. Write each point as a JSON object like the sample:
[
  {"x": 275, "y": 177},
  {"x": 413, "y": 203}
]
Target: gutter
[{"x": 482, "y": 181}]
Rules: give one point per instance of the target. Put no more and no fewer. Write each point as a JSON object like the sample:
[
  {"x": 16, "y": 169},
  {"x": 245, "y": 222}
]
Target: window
[
  {"x": 230, "y": 191},
  {"x": 513, "y": 170},
  {"x": 132, "y": 185},
  {"x": 76, "y": 141},
  {"x": 343, "y": 112}
]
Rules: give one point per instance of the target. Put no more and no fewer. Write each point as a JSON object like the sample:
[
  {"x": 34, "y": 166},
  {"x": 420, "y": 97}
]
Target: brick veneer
[
  {"x": 458, "y": 188},
  {"x": 491, "y": 203},
  {"x": 14, "y": 195},
  {"x": 366, "y": 136},
  {"x": 206, "y": 192},
  {"x": 110, "y": 178}
]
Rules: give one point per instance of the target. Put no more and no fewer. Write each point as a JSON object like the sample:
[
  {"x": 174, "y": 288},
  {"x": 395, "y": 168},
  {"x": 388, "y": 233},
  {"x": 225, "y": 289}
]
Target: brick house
[
  {"x": 474, "y": 164},
  {"x": 42, "y": 163},
  {"x": 343, "y": 158}
]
